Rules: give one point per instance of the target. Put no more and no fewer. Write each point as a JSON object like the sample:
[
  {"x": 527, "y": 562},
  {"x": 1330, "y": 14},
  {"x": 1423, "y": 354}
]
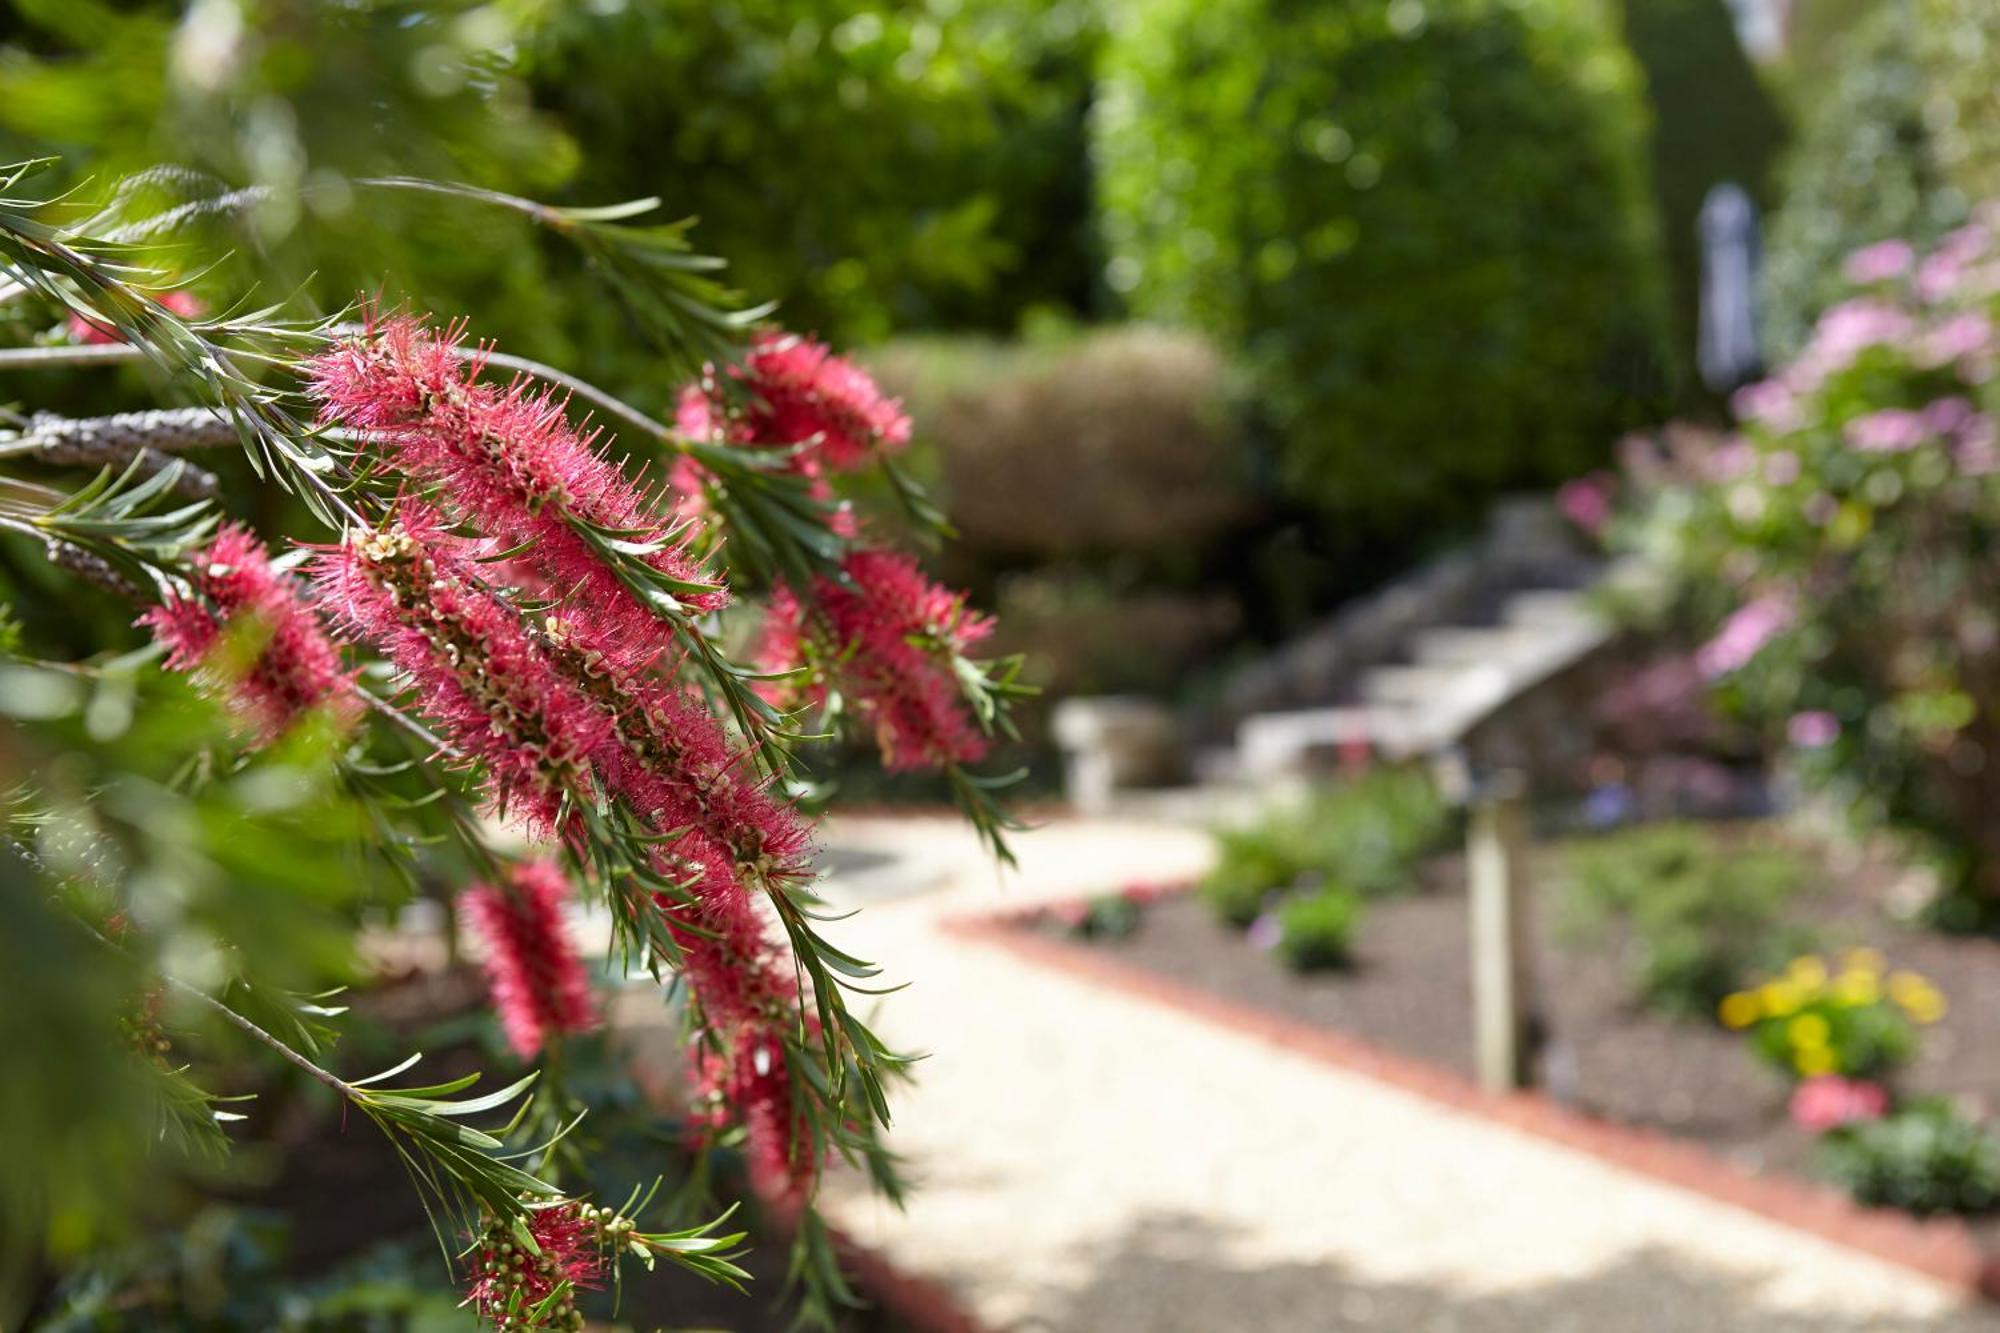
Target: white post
[{"x": 1503, "y": 1001}]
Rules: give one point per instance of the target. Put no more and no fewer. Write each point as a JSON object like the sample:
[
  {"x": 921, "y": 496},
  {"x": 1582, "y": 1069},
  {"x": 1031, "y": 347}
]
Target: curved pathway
[{"x": 1089, "y": 1162}]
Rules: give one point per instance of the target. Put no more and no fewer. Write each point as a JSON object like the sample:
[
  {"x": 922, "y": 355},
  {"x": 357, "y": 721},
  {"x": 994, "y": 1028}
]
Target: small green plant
[
  {"x": 1702, "y": 918},
  {"x": 1366, "y": 834},
  {"x": 1807, "y": 1023},
  {"x": 1107, "y": 916},
  {"x": 1316, "y": 930},
  {"x": 1925, "y": 1158}
]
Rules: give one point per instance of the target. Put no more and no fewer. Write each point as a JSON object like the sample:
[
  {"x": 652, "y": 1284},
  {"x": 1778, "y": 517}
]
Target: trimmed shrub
[
  {"x": 1117, "y": 440},
  {"x": 1316, "y": 930},
  {"x": 1427, "y": 225}
]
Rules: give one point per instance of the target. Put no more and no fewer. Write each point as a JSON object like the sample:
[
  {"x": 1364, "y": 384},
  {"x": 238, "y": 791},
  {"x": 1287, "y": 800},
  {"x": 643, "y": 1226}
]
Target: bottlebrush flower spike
[
  {"x": 297, "y": 668},
  {"x": 887, "y": 633},
  {"x": 507, "y": 1282},
  {"x": 478, "y": 674},
  {"x": 750, "y": 1085},
  {"x": 508, "y": 458},
  {"x": 670, "y": 759},
  {"x": 537, "y": 981},
  {"x": 800, "y": 394},
  {"x": 91, "y": 333}
]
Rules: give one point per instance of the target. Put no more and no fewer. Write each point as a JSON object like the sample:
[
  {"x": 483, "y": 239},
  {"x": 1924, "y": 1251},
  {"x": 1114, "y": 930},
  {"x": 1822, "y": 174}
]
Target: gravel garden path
[{"x": 1090, "y": 1162}]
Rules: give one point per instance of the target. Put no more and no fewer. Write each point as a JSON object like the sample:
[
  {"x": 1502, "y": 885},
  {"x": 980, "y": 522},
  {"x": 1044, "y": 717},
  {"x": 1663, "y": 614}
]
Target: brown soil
[{"x": 1410, "y": 991}]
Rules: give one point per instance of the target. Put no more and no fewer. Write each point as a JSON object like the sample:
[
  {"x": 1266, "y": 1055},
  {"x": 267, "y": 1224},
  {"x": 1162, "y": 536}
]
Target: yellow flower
[
  {"x": 1855, "y": 987},
  {"x": 1863, "y": 960},
  {"x": 1813, "y": 1061},
  {"x": 1740, "y": 1010},
  {"x": 1918, "y": 997},
  {"x": 1808, "y": 1032},
  {"x": 1779, "y": 998},
  {"x": 1807, "y": 973}
]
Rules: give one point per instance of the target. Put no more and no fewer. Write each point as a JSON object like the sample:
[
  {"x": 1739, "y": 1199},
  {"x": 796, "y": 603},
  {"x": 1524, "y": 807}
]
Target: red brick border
[{"x": 1944, "y": 1249}]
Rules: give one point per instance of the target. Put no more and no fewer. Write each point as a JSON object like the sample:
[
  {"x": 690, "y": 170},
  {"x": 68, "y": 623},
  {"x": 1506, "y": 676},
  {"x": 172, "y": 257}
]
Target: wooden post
[{"x": 1503, "y": 1000}]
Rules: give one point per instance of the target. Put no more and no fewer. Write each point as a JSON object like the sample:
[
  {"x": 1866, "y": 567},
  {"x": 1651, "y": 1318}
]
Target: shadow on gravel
[{"x": 1171, "y": 1275}]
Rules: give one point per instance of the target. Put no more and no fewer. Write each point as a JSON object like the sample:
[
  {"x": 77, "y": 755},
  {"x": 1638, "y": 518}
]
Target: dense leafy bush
[
  {"x": 1316, "y": 929},
  {"x": 875, "y": 166},
  {"x": 1713, "y": 121},
  {"x": 1926, "y": 1157},
  {"x": 1843, "y": 559},
  {"x": 1808, "y": 1024},
  {"x": 1702, "y": 917},
  {"x": 1426, "y": 225},
  {"x": 1364, "y": 836}
]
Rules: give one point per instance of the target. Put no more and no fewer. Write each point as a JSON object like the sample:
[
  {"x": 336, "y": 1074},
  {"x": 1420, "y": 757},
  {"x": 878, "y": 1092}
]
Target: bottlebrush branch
[{"x": 552, "y": 626}]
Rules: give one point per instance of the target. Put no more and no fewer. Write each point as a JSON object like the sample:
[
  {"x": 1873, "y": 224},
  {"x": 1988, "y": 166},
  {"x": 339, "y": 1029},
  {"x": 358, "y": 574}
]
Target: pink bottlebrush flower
[
  {"x": 1586, "y": 501},
  {"x": 887, "y": 633},
  {"x": 1879, "y": 262},
  {"x": 509, "y": 458},
  {"x": 88, "y": 331},
  {"x": 1814, "y": 730},
  {"x": 1828, "y": 1101},
  {"x": 296, "y": 670},
  {"x": 1892, "y": 430},
  {"x": 538, "y": 983},
  {"x": 1729, "y": 460},
  {"x": 506, "y": 1283},
  {"x": 1744, "y": 634},
  {"x": 1781, "y": 468},
  {"x": 479, "y": 676},
  {"x": 1976, "y": 453},
  {"x": 799, "y": 395}
]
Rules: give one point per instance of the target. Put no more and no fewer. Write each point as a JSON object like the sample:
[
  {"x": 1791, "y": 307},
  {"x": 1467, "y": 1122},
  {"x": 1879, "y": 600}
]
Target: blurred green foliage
[
  {"x": 871, "y": 166},
  {"x": 1365, "y": 835},
  {"x": 1866, "y": 168},
  {"x": 1700, "y": 916},
  {"x": 1427, "y": 226},
  {"x": 1316, "y": 929},
  {"x": 1713, "y": 121},
  {"x": 1925, "y": 1157}
]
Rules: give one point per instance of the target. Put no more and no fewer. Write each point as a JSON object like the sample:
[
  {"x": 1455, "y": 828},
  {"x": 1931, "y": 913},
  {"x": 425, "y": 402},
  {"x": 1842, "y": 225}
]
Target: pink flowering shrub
[{"x": 1838, "y": 560}]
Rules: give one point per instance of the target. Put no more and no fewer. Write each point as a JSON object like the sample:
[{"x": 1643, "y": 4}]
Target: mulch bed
[{"x": 1410, "y": 992}]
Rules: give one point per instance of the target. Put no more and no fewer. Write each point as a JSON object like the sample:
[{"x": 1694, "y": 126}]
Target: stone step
[
  {"x": 1465, "y": 645},
  {"x": 1270, "y": 745},
  {"x": 1550, "y": 608}
]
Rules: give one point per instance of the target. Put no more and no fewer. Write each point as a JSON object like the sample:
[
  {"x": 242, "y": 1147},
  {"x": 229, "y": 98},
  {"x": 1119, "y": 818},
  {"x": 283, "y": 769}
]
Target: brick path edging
[{"x": 1943, "y": 1248}]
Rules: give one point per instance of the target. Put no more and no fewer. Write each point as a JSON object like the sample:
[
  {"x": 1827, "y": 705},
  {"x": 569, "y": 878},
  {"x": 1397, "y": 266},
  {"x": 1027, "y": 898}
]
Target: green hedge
[
  {"x": 1427, "y": 224},
  {"x": 1713, "y": 121}
]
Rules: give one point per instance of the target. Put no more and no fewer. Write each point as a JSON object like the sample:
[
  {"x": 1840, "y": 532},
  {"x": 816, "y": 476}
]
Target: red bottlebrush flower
[
  {"x": 479, "y": 675},
  {"x": 673, "y": 763},
  {"x": 510, "y": 459},
  {"x": 801, "y": 396},
  {"x": 887, "y": 633},
  {"x": 85, "y": 330},
  {"x": 506, "y": 1282},
  {"x": 749, "y": 1084},
  {"x": 296, "y": 670},
  {"x": 537, "y": 981}
]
